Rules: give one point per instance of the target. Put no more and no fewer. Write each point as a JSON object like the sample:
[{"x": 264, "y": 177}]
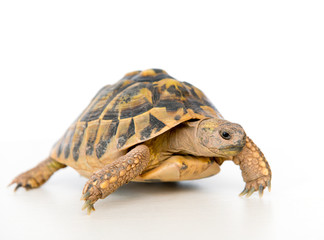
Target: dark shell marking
[
  {"x": 154, "y": 124},
  {"x": 106, "y": 137},
  {"x": 142, "y": 105}
]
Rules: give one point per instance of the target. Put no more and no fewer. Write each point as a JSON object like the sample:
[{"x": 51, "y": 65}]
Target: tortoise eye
[{"x": 225, "y": 135}]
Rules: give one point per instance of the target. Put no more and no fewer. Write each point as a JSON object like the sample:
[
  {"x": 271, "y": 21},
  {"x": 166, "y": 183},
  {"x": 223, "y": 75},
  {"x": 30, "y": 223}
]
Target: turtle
[{"x": 150, "y": 127}]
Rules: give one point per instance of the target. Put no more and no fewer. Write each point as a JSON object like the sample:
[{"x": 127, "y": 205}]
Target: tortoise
[{"x": 149, "y": 127}]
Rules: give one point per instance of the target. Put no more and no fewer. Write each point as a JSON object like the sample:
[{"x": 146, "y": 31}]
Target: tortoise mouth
[{"x": 231, "y": 151}]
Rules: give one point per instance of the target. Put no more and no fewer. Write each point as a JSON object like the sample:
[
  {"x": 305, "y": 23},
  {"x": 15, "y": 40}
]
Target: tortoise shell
[{"x": 139, "y": 107}]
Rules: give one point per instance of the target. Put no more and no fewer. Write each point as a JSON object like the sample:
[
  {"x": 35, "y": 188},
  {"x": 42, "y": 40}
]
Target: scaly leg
[
  {"x": 256, "y": 171},
  {"x": 38, "y": 175},
  {"x": 112, "y": 176}
]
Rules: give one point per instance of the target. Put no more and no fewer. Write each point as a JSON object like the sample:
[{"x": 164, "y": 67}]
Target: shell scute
[
  {"x": 90, "y": 136},
  {"x": 154, "y": 124},
  {"x": 107, "y": 131},
  {"x": 78, "y": 139},
  {"x": 105, "y": 96},
  {"x": 125, "y": 131}
]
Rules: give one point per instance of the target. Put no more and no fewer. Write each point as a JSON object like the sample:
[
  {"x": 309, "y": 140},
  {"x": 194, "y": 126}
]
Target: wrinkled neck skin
[{"x": 183, "y": 140}]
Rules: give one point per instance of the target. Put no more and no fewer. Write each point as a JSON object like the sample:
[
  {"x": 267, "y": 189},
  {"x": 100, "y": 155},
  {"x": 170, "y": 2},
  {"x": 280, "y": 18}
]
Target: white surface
[{"x": 261, "y": 64}]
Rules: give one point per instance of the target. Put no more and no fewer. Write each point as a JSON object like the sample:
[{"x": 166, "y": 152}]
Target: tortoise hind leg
[
  {"x": 38, "y": 175},
  {"x": 112, "y": 176}
]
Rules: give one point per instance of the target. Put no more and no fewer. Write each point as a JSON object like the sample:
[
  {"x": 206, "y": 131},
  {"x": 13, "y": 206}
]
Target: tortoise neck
[{"x": 183, "y": 140}]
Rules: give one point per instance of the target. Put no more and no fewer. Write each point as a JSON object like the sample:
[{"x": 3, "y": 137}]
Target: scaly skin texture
[
  {"x": 38, "y": 175},
  {"x": 112, "y": 176},
  {"x": 255, "y": 169}
]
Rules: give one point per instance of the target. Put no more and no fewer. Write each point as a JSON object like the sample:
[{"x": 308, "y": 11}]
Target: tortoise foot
[
  {"x": 38, "y": 175},
  {"x": 89, "y": 206},
  {"x": 258, "y": 184},
  {"x": 25, "y": 180},
  {"x": 112, "y": 176},
  {"x": 90, "y": 195}
]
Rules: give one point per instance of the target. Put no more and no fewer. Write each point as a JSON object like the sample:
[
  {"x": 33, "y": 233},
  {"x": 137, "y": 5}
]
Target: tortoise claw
[
  {"x": 90, "y": 198},
  {"x": 245, "y": 190},
  {"x": 257, "y": 185},
  {"x": 17, "y": 187},
  {"x": 89, "y": 206},
  {"x": 251, "y": 191},
  {"x": 85, "y": 196},
  {"x": 27, "y": 186},
  {"x": 269, "y": 185},
  {"x": 261, "y": 188}
]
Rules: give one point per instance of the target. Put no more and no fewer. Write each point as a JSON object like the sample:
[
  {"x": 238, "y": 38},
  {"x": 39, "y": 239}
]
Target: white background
[{"x": 259, "y": 62}]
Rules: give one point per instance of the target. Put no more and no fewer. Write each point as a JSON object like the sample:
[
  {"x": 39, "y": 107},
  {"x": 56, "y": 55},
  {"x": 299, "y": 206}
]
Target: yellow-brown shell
[{"x": 139, "y": 107}]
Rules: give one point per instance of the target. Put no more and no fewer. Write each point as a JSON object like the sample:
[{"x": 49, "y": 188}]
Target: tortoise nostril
[{"x": 225, "y": 135}]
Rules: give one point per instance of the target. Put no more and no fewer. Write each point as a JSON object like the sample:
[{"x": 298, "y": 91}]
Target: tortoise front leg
[
  {"x": 38, "y": 175},
  {"x": 112, "y": 176},
  {"x": 256, "y": 171}
]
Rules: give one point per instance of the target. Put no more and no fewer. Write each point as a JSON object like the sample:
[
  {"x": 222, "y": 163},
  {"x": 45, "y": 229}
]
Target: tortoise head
[{"x": 221, "y": 137}]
